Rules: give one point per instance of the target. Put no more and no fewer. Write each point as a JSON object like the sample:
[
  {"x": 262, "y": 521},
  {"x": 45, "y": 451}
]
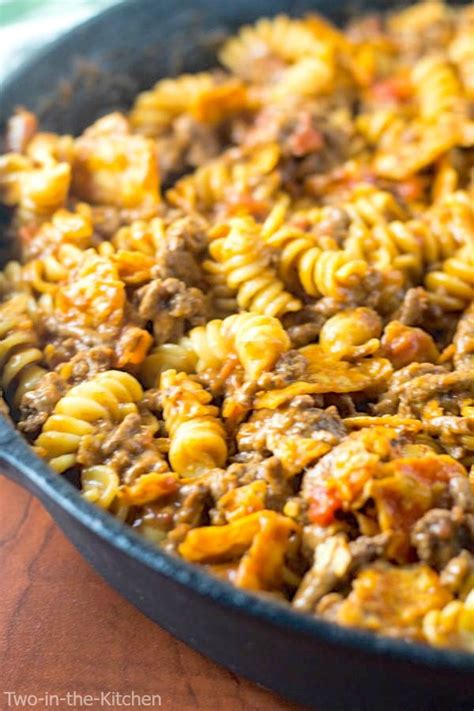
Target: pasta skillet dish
[{"x": 240, "y": 317}]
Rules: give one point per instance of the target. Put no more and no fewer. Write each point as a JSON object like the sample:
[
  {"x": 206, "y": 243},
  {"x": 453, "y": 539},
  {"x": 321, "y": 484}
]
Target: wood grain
[{"x": 62, "y": 629}]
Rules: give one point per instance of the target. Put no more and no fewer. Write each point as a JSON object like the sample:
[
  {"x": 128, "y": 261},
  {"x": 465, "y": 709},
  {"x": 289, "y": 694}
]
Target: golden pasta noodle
[
  {"x": 257, "y": 340},
  {"x": 108, "y": 396},
  {"x": 204, "y": 97},
  {"x": 197, "y": 436},
  {"x": 248, "y": 270},
  {"x": 20, "y": 356},
  {"x": 236, "y": 177},
  {"x": 453, "y": 286},
  {"x": 239, "y": 316}
]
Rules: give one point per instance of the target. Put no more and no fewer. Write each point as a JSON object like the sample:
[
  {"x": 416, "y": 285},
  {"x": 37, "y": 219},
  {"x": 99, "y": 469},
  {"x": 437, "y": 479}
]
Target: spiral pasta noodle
[
  {"x": 266, "y": 367},
  {"x": 205, "y": 97},
  {"x": 44, "y": 274},
  {"x": 382, "y": 128},
  {"x": 12, "y": 280},
  {"x": 233, "y": 175},
  {"x": 168, "y": 356},
  {"x": 37, "y": 191},
  {"x": 452, "y": 221},
  {"x": 247, "y": 270},
  {"x": 222, "y": 297},
  {"x": 257, "y": 340},
  {"x": 141, "y": 236},
  {"x": 452, "y": 287},
  {"x": 437, "y": 86},
  {"x": 370, "y": 206},
  {"x": 197, "y": 436},
  {"x": 20, "y": 356},
  {"x": 320, "y": 272},
  {"x": 309, "y": 60},
  {"x": 411, "y": 246},
  {"x": 106, "y": 397},
  {"x": 455, "y": 622},
  {"x": 100, "y": 485}
]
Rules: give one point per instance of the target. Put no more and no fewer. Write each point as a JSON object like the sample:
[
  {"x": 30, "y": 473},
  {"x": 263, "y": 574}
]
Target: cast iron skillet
[{"x": 308, "y": 660}]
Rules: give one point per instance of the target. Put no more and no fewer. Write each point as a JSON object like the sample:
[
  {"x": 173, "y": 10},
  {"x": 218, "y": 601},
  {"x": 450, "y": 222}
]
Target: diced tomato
[
  {"x": 429, "y": 469},
  {"x": 27, "y": 233},
  {"x": 411, "y": 189},
  {"x": 305, "y": 138},
  {"x": 391, "y": 90},
  {"x": 325, "y": 502}
]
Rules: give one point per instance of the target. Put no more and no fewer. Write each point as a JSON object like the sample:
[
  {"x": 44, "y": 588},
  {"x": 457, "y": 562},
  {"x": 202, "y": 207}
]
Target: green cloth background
[{"x": 26, "y": 25}]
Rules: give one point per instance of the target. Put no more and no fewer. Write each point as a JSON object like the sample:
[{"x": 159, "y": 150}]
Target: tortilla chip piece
[
  {"x": 148, "y": 488},
  {"x": 393, "y": 600},
  {"x": 328, "y": 375}
]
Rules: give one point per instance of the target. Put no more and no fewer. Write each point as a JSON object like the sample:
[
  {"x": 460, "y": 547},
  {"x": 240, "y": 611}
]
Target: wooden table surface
[{"x": 62, "y": 629}]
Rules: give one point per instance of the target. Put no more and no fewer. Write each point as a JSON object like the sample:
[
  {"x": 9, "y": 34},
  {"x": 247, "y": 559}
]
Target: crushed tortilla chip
[
  {"x": 393, "y": 600},
  {"x": 263, "y": 534},
  {"x": 148, "y": 488},
  {"x": 328, "y": 375}
]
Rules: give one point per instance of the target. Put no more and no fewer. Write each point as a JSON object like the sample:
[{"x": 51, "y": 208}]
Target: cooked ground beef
[
  {"x": 441, "y": 534},
  {"x": 130, "y": 448},
  {"x": 123, "y": 436},
  {"x": 336, "y": 561},
  {"x": 310, "y": 142},
  {"x": 303, "y": 333},
  {"x": 417, "y": 309},
  {"x": 289, "y": 367},
  {"x": 38, "y": 403},
  {"x": 85, "y": 364},
  {"x": 186, "y": 145},
  {"x": 413, "y": 308},
  {"x": 194, "y": 498},
  {"x": 253, "y": 467},
  {"x": 446, "y": 388},
  {"x": 461, "y": 493},
  {"x": 68, "y": 338},
  {"x": 303, "y": 327},
  {"x": 178, "y": 254},
  {"x": 458, "y": 571},
  {"x": 464, "y": 341},
  {"x": 452, "y": 432},
  {"x": 184, "y": 510},
  {"x": 401, "y": 385},
  {"x": 301, "y": 419},
  {"x": 172, "y": 307}
]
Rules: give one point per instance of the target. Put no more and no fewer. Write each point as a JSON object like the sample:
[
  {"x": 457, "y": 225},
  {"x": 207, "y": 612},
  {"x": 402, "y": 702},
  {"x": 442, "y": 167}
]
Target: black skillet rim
[{"x": 58, "y": 490}]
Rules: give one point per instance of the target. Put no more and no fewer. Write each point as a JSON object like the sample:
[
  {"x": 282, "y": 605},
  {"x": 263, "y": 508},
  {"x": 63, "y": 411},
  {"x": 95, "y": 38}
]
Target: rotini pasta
[
  {"x": 235, "y": 177},
  {"x": 205, "y": 97},
  {"x": 319, "y": 271},
  {"x": 437, "y": 87},
  {"x": 266, "y": 367},
  {"x": 453, "y": 286},
  {"x": 168, "y": 356},
  {"x": 197, "y": 436},
  {"x": 248, "y": 270},
  {"x": 109, "y": 396},
  {"x": 221, "y": 295},
  {"x": 306, "y": 57},
  {"x": 20, "y": 356},
  {"x": 257, "y": 340},
  {"x": 100, "y": 485}
]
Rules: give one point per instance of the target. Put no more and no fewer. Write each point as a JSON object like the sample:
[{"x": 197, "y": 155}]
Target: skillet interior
[{"x": 126, "y": 49}]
